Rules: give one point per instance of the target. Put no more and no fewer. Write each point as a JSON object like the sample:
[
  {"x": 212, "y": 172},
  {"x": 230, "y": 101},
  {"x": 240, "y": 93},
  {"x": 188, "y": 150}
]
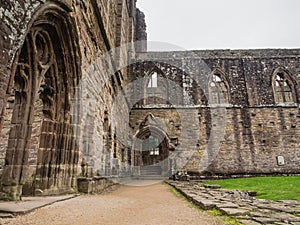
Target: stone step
[
  {"x": 150, "y": 173},
  {"x": 150, "y": 170},
  {"x": 150, "y": 177}
]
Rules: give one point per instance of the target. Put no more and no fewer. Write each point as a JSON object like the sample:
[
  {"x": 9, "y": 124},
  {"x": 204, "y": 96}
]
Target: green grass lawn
[{"x": 271, "y": 188}]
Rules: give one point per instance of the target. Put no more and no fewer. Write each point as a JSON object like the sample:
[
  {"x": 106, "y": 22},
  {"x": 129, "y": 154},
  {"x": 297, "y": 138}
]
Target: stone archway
[
  {"x": 152, "y": 149},
  {"x": 42, "y": 153}
]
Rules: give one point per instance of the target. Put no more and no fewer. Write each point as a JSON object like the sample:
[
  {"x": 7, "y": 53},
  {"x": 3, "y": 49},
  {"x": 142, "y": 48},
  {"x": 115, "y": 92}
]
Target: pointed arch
[
  {"x": 218, "y": 88},
  {"x": 153, "y": 78},
  {"x": 152, "y": 82},
  {"x": 156, "y": 87},
  {"x": 45, "y": 90},
  {"x": 151, "y": 147},
  {"x": 283, "y": 87}
]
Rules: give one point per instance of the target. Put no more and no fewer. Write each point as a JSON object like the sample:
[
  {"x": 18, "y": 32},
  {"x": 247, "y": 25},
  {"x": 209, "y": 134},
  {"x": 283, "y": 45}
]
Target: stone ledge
[
  {"x": 94, "y": 185},
  {"x": 233, "y": 211},
  {"x": 29, "y": 204}
]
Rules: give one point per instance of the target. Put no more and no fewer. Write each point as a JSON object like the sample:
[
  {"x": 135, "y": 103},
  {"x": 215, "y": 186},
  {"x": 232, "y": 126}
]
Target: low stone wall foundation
[
  {"x": 240, "y": 204},
  {"x": 93, "y": 185}
]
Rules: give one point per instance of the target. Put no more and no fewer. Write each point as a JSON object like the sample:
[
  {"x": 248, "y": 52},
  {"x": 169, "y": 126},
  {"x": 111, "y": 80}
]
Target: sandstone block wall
[
  {"x": 248, "y": 133},
  {"x": 91, "y": 137},
  {"x": 76, "y": 92}
]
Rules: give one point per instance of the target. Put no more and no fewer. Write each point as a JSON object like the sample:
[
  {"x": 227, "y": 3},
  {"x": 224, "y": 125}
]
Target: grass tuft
[
  {"x": 226, "y": 219},
  {"x": 215, "y": 212}
]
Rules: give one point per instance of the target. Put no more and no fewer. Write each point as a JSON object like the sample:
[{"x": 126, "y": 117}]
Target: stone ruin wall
[
  {"x": 102, "y": 80},
  {"x": 256, "y": 129},
  {"x": 99, "y": 124},
  {"x": 97, "y": 28}
]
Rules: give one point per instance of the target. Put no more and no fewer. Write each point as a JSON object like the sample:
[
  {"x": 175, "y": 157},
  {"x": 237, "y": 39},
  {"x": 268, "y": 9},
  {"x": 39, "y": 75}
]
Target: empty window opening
[
  {"x": 153, "y": 145},
  {"x": 217, "y": 90},
  {"x": 153, "y": 81},
  {"x": 283, "y": 90}
]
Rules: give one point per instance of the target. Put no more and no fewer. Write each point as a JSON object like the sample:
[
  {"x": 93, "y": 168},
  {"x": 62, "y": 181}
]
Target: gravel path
[{"x": 146, "y": 204}]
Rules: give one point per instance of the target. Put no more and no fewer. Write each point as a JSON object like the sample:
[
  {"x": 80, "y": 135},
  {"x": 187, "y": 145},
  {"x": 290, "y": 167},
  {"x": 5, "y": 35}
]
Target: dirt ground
[{"x": 140, "y": 205}]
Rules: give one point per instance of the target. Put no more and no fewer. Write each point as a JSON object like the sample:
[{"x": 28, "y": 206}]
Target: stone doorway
[
  {"x": 153, "y": 151},
  {"x": 41, "y": 149},
  {"x": 151, "y": 155}
]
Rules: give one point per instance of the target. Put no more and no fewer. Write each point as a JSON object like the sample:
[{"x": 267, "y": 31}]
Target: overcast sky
[{"x": 222, "y": 24}]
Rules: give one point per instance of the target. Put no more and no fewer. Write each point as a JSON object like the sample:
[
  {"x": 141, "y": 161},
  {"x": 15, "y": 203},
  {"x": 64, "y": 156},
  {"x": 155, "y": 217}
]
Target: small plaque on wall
[{"x": 280, "y": 160}]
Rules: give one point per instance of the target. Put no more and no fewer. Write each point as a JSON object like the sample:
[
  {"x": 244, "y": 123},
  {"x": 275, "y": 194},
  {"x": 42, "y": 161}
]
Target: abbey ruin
[{"x": 80, "y": 96}]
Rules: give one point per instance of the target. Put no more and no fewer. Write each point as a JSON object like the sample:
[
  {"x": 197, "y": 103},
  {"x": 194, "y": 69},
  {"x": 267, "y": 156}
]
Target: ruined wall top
[
  {"x": 250, "y": 77},
  {"x": 141, "y": 33},
  {"x": 222, "y": 53}
]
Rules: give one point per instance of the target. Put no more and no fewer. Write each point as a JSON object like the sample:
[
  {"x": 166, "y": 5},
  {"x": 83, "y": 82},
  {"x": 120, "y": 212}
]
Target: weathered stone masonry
[
  {"x": 254, "y": 126},
  {"x": 81, "y": 97},
  {"x": 58, "y": 86}
]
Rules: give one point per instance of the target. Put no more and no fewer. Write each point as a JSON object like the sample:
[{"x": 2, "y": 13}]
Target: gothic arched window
[
  {"x": 152, "y": 83},
  {"x": 153, "y": 145},
  {"x": 156, "y": 89},
  {"x": 283, "y": 88},
  {"x": 218, "y": 91}
]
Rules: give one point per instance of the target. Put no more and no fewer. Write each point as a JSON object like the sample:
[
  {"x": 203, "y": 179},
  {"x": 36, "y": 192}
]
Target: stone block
[
  {"x": 227, "y": 205},
  {"x": 234, "y": 211},
  {"x": 93, "y": 185},
  {"x": 248, "y": 222},
  {"x": 205, "y": 204}
]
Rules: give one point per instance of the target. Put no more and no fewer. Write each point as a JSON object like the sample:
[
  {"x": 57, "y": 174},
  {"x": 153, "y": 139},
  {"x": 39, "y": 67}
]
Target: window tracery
[
  {"x": 283, "y": 88},
  {"x": 152, "y": 83},
  {"x": 218, "y": 90}
]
